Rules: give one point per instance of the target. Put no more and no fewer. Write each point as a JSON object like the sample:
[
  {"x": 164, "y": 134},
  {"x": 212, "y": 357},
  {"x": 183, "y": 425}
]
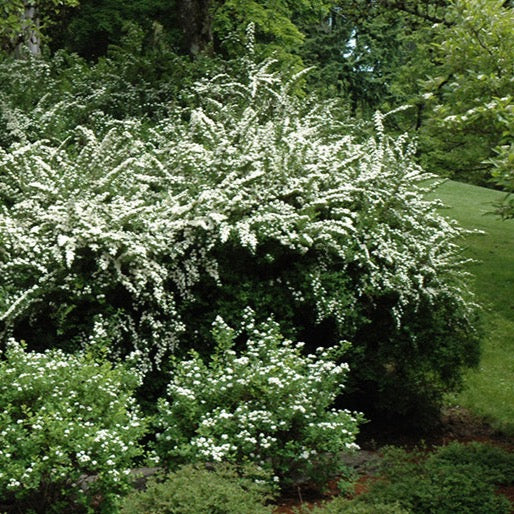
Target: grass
[{"x": 489, "y": 391}]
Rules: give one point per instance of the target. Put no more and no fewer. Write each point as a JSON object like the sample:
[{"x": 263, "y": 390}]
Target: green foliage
[
  {"x": 37, "y": 101},
  {"x": 380, "y": 54},
  {"x": 13, "y": 22},
  {"x": 503, "y": 165},
  {"x": 471, "y": 117},
  {"x": 246, "y": 196},
  {"x": 496, "y": 463},
  {"x": 99, "y": 24},
  {"x": 267, "y": 404},
  {"x": 278, "y": 26},
  {"x": 48, "y": 99},
  {"x": 454, "y": 479},
  {"x": 342, "y": 505},
  {"x": 355, "y": 53},
  {"x": 194, "y": 489},
  {"x": 457, "y": 478},
  {"x": 62, "y": 418}
]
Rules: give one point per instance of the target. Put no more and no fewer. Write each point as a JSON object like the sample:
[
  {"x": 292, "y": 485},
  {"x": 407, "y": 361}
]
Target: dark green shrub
[
  {"x": 195, "y": 490},
  {"x": 496, "y": 463},
  {"x": 456, "y": 479},
  {"x": 344, "y": 506}
]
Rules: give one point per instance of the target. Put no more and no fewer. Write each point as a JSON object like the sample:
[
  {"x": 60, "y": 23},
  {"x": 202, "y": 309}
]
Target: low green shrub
[
  {"x": 268, "y": 404},
  {"x": 455, "y": 479},
  {"x": 342, "y": 505},
  {"x": 64, "y": 418},
  {"x": 496, "y": 463},
  {"x": 194, "y": 489}
]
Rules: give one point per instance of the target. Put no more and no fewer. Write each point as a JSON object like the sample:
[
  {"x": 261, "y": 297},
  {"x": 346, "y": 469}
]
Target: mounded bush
[
  {"x": 195, "y": 489},
  {"x": 496, "y": 463},
  {"x": 458, "y": 478},
  {"x": 268, "y": 404},
  {"x": 140, "y": 237},
  {"x": 64, "y": 418}
]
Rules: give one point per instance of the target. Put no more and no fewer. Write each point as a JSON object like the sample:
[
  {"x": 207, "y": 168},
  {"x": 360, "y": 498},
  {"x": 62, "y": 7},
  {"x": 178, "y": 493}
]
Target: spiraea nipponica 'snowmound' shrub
[{"x": 139, "y": 238}]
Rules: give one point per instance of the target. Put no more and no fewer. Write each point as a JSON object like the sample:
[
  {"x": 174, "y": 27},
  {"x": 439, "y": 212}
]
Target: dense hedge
[{"x": 135, "y": 236}]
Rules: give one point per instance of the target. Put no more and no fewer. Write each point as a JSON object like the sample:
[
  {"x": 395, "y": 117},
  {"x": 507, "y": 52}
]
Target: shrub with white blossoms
[
  {"x": 63, "y": 418},
  {"x": 268, "y": 404},
  {"x": 137, "y": 239}
]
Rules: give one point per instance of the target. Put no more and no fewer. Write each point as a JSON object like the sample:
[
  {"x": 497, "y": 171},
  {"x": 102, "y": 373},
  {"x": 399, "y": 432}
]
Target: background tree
[
  {"x": 95, "y": 25},
  {"x": 469, "y": 124},
  {"x": 193, "y": 27},
  {"x": 279, "y": 25},
  {"x": 373, "y": 53},
  {"x": 195, "y": 19},
  {"x": 22, "y": 23},
  {"x": 451, "y": 62}
]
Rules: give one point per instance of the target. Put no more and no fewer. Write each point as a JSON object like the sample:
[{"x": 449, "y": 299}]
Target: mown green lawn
[{"x": 489, "y": 391}]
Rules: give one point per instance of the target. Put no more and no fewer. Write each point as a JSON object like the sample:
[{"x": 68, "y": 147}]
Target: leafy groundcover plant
[
  {"x": 63, "y": 418},
  {"x": 457, "y": 478},
  {"x": 342, "y": 505},
  {"x": 195, "y": 489},
  {"x": 267, "y": 404},
  {"x": 137, "y": 237}
]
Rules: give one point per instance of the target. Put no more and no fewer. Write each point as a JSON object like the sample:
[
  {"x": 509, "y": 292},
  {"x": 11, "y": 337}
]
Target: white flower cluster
[
  {"x": 62, "y": 416},
  {"x": 128, "y": 224},
  {"x": 268, "y": 404}
]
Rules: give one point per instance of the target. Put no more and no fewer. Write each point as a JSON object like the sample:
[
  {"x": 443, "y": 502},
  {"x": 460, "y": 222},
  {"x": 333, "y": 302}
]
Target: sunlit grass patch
[{"x": 489, "y": 390}]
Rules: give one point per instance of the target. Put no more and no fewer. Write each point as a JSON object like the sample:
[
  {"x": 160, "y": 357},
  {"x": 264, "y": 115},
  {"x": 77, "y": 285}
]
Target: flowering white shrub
[
  {"x": 47, "y": 98},
  {"x": 138, "y": 238},
  {"x": 35, "y": 105},
  {"x": 63, "y": 417},
  {"x": 84, "y": 241},
  {"x": 268, "y": 404}
]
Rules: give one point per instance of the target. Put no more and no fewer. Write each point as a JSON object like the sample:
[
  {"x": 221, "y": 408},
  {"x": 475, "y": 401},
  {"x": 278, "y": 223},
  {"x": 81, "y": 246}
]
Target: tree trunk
[
  {"x": 195, "y": 21},
  {"x": 30, "y": 38}
]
